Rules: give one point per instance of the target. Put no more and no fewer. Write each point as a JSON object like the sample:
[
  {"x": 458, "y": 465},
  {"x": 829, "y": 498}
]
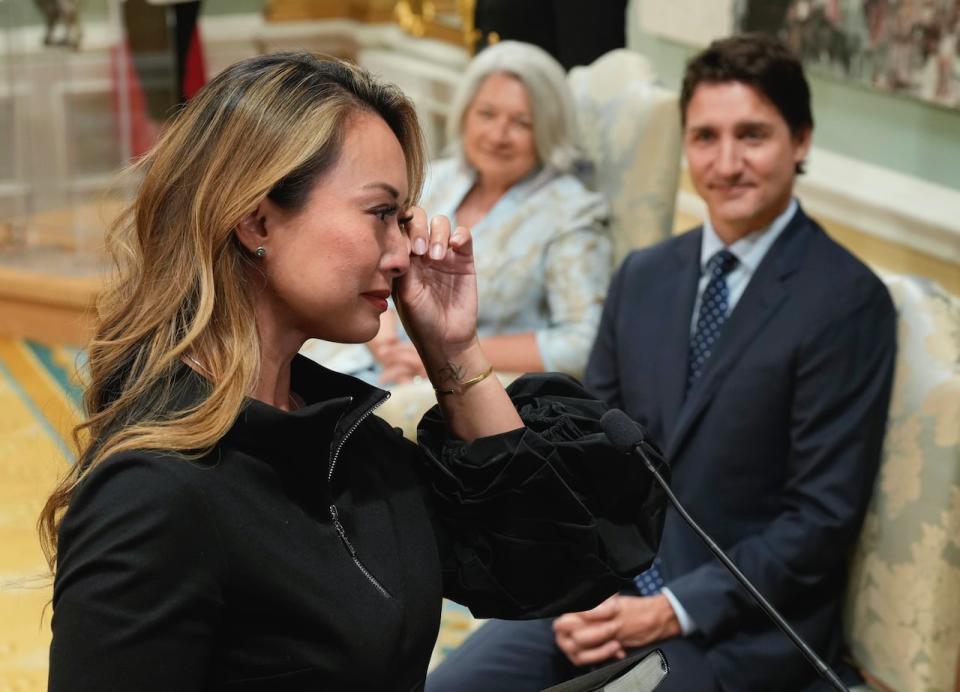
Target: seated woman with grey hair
[{"x": 543, "y": 253}]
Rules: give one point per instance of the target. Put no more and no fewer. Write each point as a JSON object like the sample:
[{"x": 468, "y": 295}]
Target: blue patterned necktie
[
  {"x": 712, "y": 315},
  {"x": 650, "y": 581}
]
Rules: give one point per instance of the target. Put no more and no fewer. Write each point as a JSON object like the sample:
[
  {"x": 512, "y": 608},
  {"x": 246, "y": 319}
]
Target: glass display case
[
  {"x": 81, "y": 94},
  {"x": 64, "y": 123}
]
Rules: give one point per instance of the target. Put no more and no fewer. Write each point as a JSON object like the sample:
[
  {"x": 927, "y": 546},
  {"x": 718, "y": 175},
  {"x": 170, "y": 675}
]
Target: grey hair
[{"x": 551, "y": 101}]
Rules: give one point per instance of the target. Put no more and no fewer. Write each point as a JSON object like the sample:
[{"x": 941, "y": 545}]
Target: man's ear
[
  {"x": 251, "y": 229},
  {"x": 801, "y": 144}
]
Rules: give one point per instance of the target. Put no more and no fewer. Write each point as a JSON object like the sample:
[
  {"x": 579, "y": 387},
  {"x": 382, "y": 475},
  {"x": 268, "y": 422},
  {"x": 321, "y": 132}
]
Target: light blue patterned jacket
[{"x": 543, "y": 255}]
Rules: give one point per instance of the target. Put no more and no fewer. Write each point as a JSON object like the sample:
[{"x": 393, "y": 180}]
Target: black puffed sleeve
[{"x": 545, "y": 519}]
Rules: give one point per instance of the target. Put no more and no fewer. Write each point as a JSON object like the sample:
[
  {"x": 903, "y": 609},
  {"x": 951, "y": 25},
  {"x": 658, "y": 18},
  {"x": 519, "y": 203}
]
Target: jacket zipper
[
  {"x": 353, "y": 553},
  {"x": 334, "y": 514}
]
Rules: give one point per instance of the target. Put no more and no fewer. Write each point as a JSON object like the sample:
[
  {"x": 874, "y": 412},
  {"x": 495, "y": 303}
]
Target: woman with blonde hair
[
  {"x": 238, "y": 517},
  {"x": 544, "y": 256}
]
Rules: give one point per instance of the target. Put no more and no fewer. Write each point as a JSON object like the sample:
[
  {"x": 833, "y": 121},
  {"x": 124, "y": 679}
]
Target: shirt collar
[{"x": 750, "y": 249}]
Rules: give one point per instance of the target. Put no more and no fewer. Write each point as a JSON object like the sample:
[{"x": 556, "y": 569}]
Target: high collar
[{"x": 334, "y": 404}]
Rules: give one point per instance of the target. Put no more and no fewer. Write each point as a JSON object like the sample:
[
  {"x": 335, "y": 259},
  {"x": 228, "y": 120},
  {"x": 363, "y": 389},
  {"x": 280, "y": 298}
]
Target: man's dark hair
[{"x": 760, "y": 61}]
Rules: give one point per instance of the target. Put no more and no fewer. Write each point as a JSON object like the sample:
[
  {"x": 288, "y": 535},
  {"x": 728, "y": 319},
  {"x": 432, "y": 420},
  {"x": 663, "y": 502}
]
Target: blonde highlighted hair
[{"x": 267, "y": 127}]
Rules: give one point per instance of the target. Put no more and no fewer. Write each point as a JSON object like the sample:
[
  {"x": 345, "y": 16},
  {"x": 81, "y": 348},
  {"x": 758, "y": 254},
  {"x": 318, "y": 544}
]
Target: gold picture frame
[
  {"x": 368, "y": 11},
  {"x": 445, "y": 20},
  {"x": 451, "y": 21}
]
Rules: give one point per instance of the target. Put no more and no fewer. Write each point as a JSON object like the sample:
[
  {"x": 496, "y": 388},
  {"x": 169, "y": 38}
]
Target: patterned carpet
[{"x": 39, "y": 405}]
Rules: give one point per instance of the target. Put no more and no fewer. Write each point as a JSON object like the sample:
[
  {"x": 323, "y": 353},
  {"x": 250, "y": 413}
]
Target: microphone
[{"x": 628, "y": 437}]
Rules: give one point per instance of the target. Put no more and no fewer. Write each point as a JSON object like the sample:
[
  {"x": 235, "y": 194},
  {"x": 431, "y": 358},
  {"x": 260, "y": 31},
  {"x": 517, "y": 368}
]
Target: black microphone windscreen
[{"x": 622, "y": 431}]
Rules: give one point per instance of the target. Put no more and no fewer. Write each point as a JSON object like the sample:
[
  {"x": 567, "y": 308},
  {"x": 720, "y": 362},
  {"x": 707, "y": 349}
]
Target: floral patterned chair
[{"x": 903, "y": 600}]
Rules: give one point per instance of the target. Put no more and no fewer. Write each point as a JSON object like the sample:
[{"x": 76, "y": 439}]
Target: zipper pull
[{"x": 338, "y": 527}]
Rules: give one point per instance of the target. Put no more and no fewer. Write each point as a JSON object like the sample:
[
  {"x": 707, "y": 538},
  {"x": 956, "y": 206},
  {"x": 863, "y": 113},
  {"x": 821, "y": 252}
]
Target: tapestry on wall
[{"x": 909, "y": 47}]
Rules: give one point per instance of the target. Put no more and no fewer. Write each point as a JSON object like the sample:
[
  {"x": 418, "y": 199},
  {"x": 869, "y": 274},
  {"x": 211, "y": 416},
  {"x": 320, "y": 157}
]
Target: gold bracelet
[{"x": 465, "y": 385}]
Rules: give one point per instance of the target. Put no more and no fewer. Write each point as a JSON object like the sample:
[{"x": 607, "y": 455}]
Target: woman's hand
[
  {"x": 400, "y": 363},
  {"x": 437, "y": 297},
  {"x": 437, "y": 302}
]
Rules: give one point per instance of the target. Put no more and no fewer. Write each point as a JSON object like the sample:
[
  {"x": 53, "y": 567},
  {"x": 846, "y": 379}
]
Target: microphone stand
[{"x": 825, "y": 671}]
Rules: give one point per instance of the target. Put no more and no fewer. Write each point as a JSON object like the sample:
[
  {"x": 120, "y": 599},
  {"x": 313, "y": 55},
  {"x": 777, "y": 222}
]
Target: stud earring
[{"x": 260, "y": 251}]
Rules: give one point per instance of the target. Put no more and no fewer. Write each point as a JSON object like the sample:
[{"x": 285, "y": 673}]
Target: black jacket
[{"x": 310, "y": 550}]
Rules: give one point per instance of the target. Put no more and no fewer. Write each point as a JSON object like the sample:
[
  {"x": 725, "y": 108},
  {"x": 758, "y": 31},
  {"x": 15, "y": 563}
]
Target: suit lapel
[
  {"x": 764, "y": 296},
  {"x": 677, "y": 305}
]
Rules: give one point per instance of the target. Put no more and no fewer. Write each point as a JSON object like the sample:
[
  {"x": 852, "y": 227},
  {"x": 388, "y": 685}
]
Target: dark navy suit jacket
[{"x": 775, "y": 448}]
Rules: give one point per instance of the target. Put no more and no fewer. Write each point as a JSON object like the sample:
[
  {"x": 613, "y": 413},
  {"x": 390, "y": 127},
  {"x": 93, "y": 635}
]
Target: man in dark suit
[{"x": 759, "y": 354}]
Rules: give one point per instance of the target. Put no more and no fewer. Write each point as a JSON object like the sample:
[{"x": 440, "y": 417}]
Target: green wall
[
  {"x": 24, "y": 12},
  {"x": 896, "y": 132}
]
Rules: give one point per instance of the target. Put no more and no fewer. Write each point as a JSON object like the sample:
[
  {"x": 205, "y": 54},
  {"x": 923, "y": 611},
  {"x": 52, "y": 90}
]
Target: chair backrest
[
  {"x": 903, "y": 600},
  {"x": 630, "y": 129}
]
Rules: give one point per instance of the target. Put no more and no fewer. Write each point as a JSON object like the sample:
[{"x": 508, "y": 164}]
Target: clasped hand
[
  {"x": 616, "y": 625},
  {"x": 436, "y": 299}
]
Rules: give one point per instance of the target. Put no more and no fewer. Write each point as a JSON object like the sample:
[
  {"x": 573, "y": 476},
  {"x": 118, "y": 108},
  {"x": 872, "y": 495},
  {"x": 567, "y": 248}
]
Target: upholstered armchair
[
  {"x": 630, "y": 129},
  {"x": 903, "y": 600}
]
